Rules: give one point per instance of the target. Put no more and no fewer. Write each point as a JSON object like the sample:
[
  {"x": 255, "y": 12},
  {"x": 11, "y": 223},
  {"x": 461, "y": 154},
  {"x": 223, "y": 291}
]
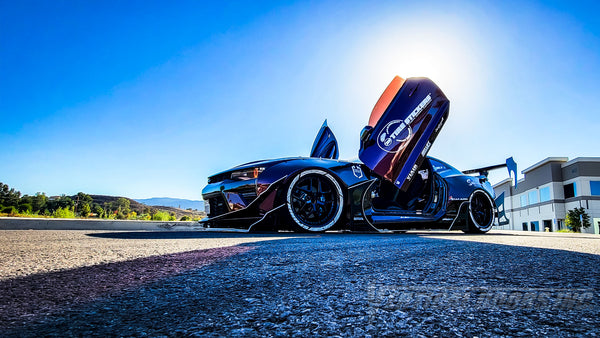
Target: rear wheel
[
  {"x": 481, "y": 212},
  {"x": 314, "y": 201}
]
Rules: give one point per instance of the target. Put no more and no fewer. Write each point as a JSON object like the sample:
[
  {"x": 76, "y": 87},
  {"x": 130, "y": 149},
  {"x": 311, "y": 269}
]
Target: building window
[
  {"x": 533, "y": 197},
  {"x": 570, "y": 190},
  {"x": 545, "y": 194},
  {"x": 525, "y": 226},
  {"x": 523, "y": 200},
  {"x": 595, "y": 188}
]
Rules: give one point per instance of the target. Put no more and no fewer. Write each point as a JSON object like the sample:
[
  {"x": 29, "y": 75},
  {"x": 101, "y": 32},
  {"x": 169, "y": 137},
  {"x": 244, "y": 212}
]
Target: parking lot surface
[{"x": 80, "y": 283}]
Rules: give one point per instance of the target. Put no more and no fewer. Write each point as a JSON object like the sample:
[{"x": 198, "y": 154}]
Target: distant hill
[
  {"x": 140, "y": 207},
  {"x": 173, "y": 202}
]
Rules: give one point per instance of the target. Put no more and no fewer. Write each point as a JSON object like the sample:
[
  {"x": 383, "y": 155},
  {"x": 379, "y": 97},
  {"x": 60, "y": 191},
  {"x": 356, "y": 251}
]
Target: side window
[
  {"x": 533, "y": 197},
  {"x": 523, "y": 200},
  {"x": 545, "y": 194},
  {"x": 595, "y": 188},
  {"x": 570, "y": 190}
]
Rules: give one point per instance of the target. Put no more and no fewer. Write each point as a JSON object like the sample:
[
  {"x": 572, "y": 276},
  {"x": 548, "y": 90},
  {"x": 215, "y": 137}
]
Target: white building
[{"x": 549, "y": 189}]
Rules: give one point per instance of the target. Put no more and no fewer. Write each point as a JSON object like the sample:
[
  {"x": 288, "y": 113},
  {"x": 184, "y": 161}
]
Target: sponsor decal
[
  {"x": 412, "y": 172},
  {"x": 439, "y": 126},
  {"x": 357, "y": 171},
  {"x": 426, "y": 149},
  {"x": 396, "y": 134},
  {"x": 457, "y": 198}
]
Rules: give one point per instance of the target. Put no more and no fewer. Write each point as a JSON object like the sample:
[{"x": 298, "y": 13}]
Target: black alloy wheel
[
  {"x": 314, "y": 201},
  {"x": 481, "y": 212}
]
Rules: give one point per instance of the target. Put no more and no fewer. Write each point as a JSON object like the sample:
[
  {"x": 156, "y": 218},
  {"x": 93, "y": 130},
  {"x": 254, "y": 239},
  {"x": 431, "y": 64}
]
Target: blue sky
[{"x": 148, "y": 98}]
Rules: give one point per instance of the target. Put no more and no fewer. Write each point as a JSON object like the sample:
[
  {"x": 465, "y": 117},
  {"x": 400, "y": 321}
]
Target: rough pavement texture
[
  {"x": 428, "y": 284},
  {"x": 24, "y": 252}
]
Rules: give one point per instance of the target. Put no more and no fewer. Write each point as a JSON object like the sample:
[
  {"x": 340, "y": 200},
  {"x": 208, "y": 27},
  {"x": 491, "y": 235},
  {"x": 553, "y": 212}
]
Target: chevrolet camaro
[{"x": 393, "y": 186}]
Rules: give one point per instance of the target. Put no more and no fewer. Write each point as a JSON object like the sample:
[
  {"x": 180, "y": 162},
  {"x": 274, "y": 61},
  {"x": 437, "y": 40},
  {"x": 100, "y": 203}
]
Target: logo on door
[{"x": 396, "y": 134}]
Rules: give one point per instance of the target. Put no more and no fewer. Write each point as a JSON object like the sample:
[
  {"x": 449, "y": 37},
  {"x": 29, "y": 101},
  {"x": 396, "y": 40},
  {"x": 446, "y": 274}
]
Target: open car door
[
  {"x": 403, "y": 125},
  {"x": 325, "y": 145}
]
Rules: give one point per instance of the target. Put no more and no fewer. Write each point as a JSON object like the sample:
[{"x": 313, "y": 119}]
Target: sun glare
[{"x": 449, "y": 54}]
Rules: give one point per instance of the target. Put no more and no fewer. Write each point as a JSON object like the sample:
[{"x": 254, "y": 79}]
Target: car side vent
[
  {"x": 217, "y": 206},
  {"x": 248, "y": 195}
]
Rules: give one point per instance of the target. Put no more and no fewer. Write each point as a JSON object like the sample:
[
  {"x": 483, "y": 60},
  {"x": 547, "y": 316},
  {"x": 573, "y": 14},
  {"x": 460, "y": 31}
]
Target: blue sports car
[{"x": 394, "y": 187}]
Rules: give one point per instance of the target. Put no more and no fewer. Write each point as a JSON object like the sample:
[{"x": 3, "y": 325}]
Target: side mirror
[{"x": 365, "y": 133}]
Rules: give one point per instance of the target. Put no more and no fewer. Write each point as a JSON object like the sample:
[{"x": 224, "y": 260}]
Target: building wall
[{"x": 539, "y": 201}]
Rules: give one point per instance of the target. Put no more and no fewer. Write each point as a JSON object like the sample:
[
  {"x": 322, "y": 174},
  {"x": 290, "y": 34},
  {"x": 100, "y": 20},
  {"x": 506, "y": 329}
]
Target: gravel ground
[
  {"x": 415, "y": 284},
  {"x": 25, "y": 252}
]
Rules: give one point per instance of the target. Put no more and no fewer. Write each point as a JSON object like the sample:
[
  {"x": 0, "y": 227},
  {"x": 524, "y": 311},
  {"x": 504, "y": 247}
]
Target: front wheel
[
  {"x": 481, "y": 212},
  {"x": 315, "y": 201}
]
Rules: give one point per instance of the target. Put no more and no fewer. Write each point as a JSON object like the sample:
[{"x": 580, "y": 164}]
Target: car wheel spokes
[
  {"x": 314, "y": 201},
  {"x": 482, "y": 210}
]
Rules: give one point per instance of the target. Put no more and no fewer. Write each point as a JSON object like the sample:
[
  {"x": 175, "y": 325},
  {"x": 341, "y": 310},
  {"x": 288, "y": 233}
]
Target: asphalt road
[{"x": 216, "y": 284}]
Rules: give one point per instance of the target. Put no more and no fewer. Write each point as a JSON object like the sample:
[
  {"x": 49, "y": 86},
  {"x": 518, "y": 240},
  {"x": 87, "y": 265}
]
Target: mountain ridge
[{"x": 180, "y": 203}]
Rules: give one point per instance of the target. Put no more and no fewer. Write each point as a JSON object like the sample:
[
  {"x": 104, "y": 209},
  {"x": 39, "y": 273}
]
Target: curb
[{"x": 18, "y": 223}]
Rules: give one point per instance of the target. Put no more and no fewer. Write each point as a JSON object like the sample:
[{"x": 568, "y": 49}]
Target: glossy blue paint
[
  {"x": 397, "y": 145},
  {"x": 325, "y": 145}
]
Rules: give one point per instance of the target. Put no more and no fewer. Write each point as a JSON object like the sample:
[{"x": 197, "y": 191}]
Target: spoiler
[{"x": 510, "y": 164}]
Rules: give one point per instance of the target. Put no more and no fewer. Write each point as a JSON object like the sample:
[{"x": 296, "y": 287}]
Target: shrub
[
  {"x": 144, "y": 217},
  {"x": 185, "y": 218},
  {"x": 63, "y": 213},
  {"x": 25, "y": 208},
  {"x": 161, "y": 216},
  {"x": 9, "y": 210}
]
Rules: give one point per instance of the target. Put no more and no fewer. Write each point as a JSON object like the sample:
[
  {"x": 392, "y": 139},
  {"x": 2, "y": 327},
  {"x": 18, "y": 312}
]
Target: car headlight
[{"x": 246, "y": 174}]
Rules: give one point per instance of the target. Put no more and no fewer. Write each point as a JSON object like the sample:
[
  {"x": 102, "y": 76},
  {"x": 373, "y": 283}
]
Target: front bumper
[
  {"x": 237, "y": 204},
  {"x": 227, "y": 196}
]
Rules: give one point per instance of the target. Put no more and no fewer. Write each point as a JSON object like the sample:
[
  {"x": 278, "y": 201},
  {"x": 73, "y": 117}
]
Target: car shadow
[{"x": 151, "y": 235}]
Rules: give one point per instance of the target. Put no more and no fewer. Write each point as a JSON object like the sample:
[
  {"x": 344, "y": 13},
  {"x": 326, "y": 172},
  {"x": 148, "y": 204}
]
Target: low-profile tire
[
  {"x": 315, "y": 201},
  {"x": 481, "y": 212}
]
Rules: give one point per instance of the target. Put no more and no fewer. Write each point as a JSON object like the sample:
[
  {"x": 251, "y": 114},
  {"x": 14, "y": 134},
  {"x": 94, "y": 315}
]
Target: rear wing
[{"x": 510, "y": 164}]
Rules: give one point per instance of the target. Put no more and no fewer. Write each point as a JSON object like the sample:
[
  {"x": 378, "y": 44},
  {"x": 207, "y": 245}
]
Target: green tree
[
  {"x": 65, "y": 202},
  {"x": 26, "y": 199},
  {"x": 97, "y": 209},
  {"x": 39, "y": 202},
  {"x": 25, "y": 208},
  {"x": 9, "y": 196},
  {"x": 9, "y": 210},
  {"x": 84, "y": 210},
  {"x": 83, "y": 203},
  {"x": 107, "y": 209},
  {"x": 122, "y": 205},
  {"x": 577, "y": 218}
]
